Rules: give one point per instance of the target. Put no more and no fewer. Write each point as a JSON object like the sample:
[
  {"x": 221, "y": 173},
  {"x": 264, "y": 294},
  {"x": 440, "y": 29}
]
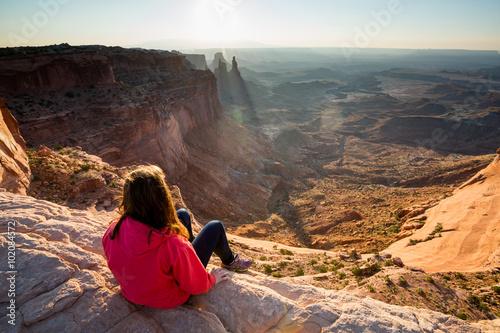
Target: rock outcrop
[
  {"x": 14, "y": 170},
  {"x": 218, "y": 58},
  {"x": 197, "y": 60},
  {"x": 231, "y": 87},
  {"x": 459, "y": 239},
  {"x": 62, "y": 284}
]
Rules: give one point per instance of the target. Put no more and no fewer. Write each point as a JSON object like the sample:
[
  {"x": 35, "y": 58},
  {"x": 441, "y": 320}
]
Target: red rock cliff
[
  {"x": 14, "y": 171},
  {"x": 143, "y": 115},
  {"x": 158, "y": 110},
  {"x": 21, "y": 75}
]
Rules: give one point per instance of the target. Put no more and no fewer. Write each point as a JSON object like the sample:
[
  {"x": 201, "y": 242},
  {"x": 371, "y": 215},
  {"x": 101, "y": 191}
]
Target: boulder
[{"x": 63, "y": 285}]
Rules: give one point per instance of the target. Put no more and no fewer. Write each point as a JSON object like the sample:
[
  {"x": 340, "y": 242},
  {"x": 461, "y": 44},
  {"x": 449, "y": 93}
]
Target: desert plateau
[{"x": 366, "y": 193}]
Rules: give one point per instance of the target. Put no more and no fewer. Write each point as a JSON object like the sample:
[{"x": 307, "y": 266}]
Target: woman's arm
[{"x": 190, "y": 274}]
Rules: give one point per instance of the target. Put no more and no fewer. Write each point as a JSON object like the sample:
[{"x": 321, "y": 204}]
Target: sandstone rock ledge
[{"x": 63, "y": 285}]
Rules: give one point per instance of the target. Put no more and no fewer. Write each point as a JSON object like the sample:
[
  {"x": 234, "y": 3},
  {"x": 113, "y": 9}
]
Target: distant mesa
[{"x": 196, "y": 61}]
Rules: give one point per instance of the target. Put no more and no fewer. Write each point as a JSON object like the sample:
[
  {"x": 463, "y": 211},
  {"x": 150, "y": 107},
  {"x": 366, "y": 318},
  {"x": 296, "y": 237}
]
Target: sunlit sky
[{"x": 437, "y": 24}]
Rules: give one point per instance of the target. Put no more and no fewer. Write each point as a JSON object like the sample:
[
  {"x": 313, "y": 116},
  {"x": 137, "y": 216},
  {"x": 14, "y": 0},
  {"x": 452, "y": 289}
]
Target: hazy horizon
[{"x": 389, "y": 24}]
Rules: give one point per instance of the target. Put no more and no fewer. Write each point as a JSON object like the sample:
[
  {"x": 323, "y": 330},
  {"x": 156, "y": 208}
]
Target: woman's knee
[
  {"x": 215, "y": 226},
  {"x": 183, "y": 214}
]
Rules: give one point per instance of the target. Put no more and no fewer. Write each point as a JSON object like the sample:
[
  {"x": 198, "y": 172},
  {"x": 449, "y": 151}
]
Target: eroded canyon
[{"x": 300, "y": 153}]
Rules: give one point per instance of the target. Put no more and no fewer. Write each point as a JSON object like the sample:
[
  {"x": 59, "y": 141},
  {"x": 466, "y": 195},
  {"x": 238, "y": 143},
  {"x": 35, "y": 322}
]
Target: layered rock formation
[
  {"x": 468, "y": 235},
  {"x": 154, "y": 108},
  {"x": 52, "y": 71},
  {"x": 143, "y": 115},
  {"x": 14, "y": 170},
  {"x": 66, "y": 287}
]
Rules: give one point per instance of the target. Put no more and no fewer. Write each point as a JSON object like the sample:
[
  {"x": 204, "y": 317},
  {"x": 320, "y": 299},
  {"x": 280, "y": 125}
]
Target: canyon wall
[
  {"x": 126, "y": 106},
  {"x": 154, "y": 108},
  {"x": 14, "y": 170},
  {"x": 51, "y": 71}
]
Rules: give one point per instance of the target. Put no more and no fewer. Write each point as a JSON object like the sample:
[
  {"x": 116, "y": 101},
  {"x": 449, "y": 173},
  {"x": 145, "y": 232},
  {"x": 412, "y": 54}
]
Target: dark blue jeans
[{"x": 211, "y": 239}]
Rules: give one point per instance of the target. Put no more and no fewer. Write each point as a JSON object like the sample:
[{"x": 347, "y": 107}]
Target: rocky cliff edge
[{"x": 62, "y": 284}]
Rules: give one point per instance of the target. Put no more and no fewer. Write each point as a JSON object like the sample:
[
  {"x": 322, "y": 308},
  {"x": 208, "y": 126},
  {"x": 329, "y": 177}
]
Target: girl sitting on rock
[{"x": 151, "y": 249}]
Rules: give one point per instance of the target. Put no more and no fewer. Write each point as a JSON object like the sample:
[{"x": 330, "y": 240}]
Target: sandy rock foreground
[
  {"x": 62, "y": 284},
  {"x": 461, "y": 232}
]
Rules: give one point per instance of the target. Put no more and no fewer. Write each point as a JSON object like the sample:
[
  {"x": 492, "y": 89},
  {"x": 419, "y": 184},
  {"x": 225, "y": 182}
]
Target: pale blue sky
[{"x": 438, "y": 24}]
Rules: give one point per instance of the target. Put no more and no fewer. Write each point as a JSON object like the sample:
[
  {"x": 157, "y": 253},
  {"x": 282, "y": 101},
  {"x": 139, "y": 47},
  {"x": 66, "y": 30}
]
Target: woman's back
[{"x": 159, "y": 269}]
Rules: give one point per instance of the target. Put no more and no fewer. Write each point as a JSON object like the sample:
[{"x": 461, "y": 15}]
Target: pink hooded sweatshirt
[{"x": 161, "y": 274}]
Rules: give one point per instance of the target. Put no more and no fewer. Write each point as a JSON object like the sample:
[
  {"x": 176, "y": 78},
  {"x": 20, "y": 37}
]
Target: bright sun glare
[{"x": 213, "y": 22}]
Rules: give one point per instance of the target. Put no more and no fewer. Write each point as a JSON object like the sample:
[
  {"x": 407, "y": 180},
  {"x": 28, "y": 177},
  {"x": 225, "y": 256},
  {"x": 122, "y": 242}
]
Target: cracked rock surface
[{"x": 63, "y": 285}]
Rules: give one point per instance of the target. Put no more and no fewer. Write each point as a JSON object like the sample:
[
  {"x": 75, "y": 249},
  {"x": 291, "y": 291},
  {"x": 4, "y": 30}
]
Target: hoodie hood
[{"x": 133, "y": 237}]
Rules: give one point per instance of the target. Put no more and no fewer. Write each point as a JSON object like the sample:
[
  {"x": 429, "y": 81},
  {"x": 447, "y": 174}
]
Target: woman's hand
[{"x": 220, "y": 274}]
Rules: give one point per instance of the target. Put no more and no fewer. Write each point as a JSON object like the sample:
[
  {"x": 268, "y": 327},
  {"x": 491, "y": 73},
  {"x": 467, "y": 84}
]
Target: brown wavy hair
[{"x": 147, "y": 199}]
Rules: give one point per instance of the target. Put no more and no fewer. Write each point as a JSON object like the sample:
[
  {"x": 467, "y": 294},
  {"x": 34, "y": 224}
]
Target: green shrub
[
  {"x": 277, "y": 275},
  {"x": 462, "y": 316},
  {"x": 267, "y": 268},
  {"x": 402, "y": 282},
  {"x": 263, "y": 258},
  {"x": 313, "y": 262},
  {"x": 286, "y": 252},
  {"x": 299, "y": 272},
  {"x": 85, "y": 167},
  {"x": 429, "y": 279},
  {"x": 478, "y": 302},
  {"x": 356, "y": 271},
  {"x": 437, "y": 229},
  {"x": 496, "y": 289},
  {"x": 370, "y": 288},
  {"x": 412, "y": 242},
  {"x": 341, "y": 275},
  {"x": 322, "y": 269}
]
